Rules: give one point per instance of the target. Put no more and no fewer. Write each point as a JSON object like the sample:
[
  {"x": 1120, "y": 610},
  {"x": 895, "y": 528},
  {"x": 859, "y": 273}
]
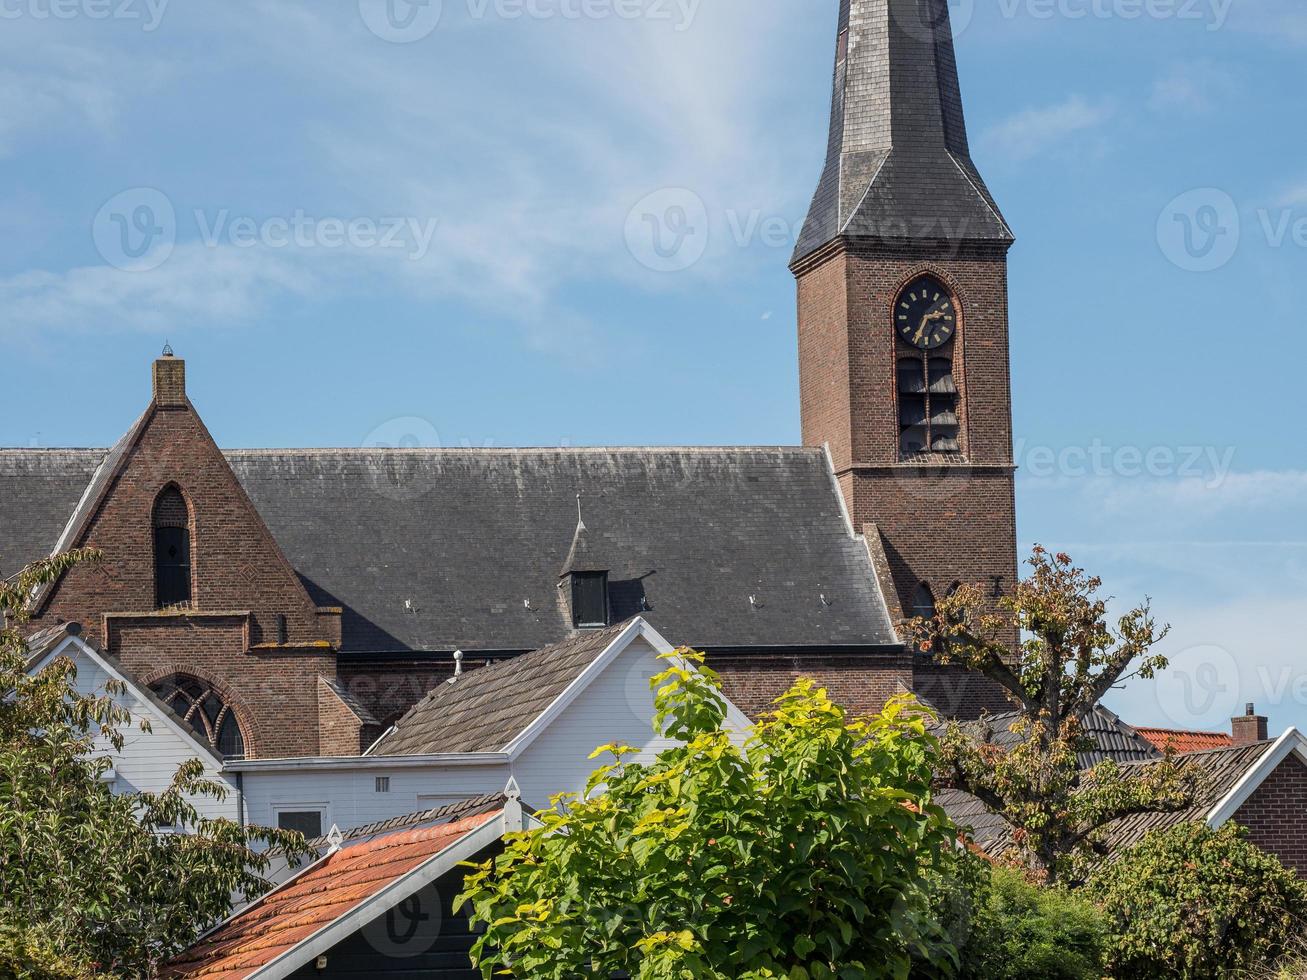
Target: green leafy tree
[
  {"x": 803, "y": 854},
  {"x": 82, "y": 867},
  {"x": 1198, "y": 903},
  {"x": 1067, "y": 658}
]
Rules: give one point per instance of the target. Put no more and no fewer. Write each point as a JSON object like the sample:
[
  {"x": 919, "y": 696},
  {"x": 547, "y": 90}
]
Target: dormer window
[
  {"x": 589, "y": 600},
  {"x": 172, "y": 549}
]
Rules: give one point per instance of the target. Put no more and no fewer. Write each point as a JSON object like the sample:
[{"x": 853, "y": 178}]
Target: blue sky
[{"x": 362, "y": 229}]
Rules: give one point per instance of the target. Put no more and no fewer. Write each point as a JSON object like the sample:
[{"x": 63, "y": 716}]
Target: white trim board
[{"x": 1291, "y": 742}]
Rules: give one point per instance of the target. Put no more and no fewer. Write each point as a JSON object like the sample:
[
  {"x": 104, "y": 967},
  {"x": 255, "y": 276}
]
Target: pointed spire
[
  {"x": 898, "y": 164},
  {"x": 583, "y": 556}
]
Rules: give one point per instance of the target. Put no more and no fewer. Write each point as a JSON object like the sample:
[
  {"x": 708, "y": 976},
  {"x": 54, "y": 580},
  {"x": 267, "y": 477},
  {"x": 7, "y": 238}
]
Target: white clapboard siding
[{"x": 148, "y": 760}]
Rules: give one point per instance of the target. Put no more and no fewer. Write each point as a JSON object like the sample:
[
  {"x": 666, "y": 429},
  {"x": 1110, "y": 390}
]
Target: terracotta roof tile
[
  {"x": 305, "y": 904},
  {"x": 1185, "y": 741}
]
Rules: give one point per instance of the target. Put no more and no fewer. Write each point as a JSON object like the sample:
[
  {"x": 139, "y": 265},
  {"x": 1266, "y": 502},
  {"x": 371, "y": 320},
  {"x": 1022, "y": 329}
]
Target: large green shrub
[
  {"x": 803, "y": 855},
  {"x": 1021, "y": 931},
  {"x": 1198, "y": 903}
]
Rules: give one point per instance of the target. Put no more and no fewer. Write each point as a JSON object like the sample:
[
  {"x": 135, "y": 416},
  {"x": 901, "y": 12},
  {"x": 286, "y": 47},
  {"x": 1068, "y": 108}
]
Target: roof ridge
[{"x": 446, "y": 813}]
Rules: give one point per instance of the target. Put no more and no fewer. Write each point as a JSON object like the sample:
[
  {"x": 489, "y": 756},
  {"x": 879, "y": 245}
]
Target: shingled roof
[
  {"x": 1219, "y": 771},
  {"x": 485, "y": 709},
  {"x": 437, "y": 550},
  {"x": 1111, "y": 738},
  {"x": 898, "y": 163}
]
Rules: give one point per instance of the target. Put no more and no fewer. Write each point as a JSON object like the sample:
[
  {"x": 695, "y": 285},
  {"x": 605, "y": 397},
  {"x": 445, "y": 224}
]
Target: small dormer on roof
[{"x": 584, "y": 578}]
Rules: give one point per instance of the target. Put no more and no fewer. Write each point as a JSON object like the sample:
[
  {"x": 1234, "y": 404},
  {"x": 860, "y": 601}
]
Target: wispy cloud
[
  {"x": 1035, "y": 131},
  {"x": 1193, "y": 88}
]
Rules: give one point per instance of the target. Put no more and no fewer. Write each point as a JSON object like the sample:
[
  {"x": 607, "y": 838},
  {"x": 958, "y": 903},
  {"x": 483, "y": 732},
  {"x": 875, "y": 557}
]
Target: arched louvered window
[
  {"x": 172, "y": 549},
  {"x": 209, "y": 716},
  {"x": 923, "y": 602},
  {"x": 928, "y": 406}
]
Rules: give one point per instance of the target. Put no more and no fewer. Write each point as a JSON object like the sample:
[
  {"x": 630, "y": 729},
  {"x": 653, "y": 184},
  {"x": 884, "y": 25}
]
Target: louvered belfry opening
[
  {"x": 928, "y": 406},
  {"x": 172, "y": 549}
]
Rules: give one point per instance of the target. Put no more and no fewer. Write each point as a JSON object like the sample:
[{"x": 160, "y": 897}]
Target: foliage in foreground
[
  {"x": 1067, "y": 658},
  {"x": 1020, "y": 931},
  {"x": 804, "y": 854},
  {"x": 84, "y": 868},
  {"x": 1199, "y": 903},
  {"x": 27, "y": 955}
]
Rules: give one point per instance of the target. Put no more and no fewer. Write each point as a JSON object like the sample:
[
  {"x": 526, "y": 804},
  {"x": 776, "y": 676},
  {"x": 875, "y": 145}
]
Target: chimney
[
  {"x": 169, "y": 380},
  {"x": 1250, "y": 728}
]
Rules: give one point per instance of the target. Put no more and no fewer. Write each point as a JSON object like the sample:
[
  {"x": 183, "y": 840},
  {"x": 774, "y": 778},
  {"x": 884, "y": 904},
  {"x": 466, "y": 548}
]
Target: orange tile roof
[
  {"x": 292, "y": 913},
  {"x": 1182, "y": 741}
]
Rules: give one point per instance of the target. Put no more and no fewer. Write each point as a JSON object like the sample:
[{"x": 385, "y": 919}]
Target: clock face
[{"x": 925, "y": 314}]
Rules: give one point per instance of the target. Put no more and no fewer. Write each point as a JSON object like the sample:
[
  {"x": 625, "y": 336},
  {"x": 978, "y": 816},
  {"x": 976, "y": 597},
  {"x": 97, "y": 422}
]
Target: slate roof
[
  {"x": 1186, "y": 741},
  {"x": 313, "y": 900},
  {"x": 485, "y": 709},
  {"x": 898, "y": 164},
  {"x": 470, "y": 537}
]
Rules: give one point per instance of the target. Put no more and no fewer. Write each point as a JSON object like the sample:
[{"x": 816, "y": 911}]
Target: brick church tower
[{"x": 902, "y": 297}]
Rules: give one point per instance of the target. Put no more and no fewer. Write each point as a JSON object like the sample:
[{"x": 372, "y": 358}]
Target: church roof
[
  {"x": 898, "y": 164},
  {"x": 437, "y": 550}
]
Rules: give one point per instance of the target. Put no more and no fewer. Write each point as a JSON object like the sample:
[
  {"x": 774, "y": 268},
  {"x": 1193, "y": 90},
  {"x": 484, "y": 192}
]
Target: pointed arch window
[
  {"x": 923, "y": 601},
  {"x": 172, "y": 549},
  {"x": 209, "y": 716}
]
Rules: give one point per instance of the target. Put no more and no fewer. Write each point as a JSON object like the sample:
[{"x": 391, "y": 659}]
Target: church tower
[{"x": 903, "y": 322}]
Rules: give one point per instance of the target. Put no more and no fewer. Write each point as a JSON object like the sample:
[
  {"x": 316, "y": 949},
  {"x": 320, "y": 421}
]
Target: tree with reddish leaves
[{"x": 1069, "y": 655}]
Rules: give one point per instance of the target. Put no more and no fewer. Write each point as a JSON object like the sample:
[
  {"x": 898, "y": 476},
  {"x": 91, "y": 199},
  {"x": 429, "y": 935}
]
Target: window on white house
[{"x": 307, "y": 822}]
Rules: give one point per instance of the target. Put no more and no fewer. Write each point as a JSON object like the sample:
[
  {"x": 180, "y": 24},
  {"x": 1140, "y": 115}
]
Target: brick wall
[
  {"x": 1276, "y": 815},
  {"x": 274, "y": 693},
  {"x": 952, "y": 520},
  {"x": 861, "y": 684}
]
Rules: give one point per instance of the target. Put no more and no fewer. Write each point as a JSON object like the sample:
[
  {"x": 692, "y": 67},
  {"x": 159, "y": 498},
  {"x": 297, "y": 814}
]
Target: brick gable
[
  {"x": 250, "y": 625},
  {"x": 1276, "y": 814}
]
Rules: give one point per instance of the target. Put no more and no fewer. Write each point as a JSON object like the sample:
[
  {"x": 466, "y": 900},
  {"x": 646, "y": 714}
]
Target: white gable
[{"x": 148, "y": 760}]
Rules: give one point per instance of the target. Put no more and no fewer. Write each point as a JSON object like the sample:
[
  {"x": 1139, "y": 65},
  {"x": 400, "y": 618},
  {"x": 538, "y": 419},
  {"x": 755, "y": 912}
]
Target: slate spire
[{"x": 898, "y": 166}]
